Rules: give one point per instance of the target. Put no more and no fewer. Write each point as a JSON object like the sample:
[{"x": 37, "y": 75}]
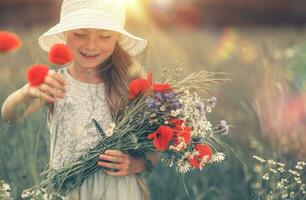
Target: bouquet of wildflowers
[
  {"x": 182, "y": 133},
  {"x": 169, "y": 118}
]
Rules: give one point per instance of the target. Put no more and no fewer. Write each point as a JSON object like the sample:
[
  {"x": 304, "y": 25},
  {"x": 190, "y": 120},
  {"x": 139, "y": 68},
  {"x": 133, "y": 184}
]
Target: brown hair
[{"x": 114, "y": 73}]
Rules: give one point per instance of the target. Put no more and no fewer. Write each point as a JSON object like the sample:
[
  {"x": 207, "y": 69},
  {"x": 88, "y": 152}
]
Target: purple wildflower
[
  {"x": 159, "y": 96},
  {"x": 176, "y": 104},
  {"x": 169, "y": 95},
  {"x": 150, "y": 103}
]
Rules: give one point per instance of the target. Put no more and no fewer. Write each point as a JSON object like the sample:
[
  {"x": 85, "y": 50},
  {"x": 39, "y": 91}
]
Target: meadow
[{"x": 264, "y": 102}]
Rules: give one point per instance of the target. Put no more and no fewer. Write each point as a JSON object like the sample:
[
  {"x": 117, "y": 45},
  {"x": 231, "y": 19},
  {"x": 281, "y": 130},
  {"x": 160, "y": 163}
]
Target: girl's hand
[
  {"x": 52, "y": 88},
  {"x": 123, "y": 162}
]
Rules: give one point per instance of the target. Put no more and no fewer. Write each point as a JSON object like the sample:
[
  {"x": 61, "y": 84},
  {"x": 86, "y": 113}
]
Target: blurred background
[{"x": 261, "y": 45}]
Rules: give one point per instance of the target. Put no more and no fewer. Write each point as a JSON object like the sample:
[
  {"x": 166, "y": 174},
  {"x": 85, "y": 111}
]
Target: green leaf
[{"x": 99, "y": 128}]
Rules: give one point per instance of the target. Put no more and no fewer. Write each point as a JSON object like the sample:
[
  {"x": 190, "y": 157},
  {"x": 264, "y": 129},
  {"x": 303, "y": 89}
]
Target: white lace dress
[{"x": 72, "y": 131}]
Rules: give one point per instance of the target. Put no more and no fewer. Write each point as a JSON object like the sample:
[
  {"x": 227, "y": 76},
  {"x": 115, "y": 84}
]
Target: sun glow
[
  {"x": 136, "y": 9},
  {"x": 132, "y": 4}
]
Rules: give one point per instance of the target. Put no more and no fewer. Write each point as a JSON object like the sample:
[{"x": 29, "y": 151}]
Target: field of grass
[{"x": 265, "y": 104}]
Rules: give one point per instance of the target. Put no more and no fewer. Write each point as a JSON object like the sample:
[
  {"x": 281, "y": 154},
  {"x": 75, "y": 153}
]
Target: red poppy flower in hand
[
  {"x": 139, "y": 86},
  {"x": 204, "y": 150},
  {"x": 161, "y": 87},
  {"x": 60, "y": 54},
  {"x": 9, "y": 41},
  {"x": 36, "y": 74},
  {"x": 161, "y": 137}
]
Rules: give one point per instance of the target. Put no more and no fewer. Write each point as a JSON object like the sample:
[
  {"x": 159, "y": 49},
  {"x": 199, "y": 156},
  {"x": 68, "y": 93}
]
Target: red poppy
[
  {"x": 139, "y": 86},
  {"x": 60, "y": 54},
  {"x": 36, "y": 74},
  {"x": 161, "y": 137},
  {"x": 204, "y": 150},
  {"x": 9, "y": 41},
  {"x": 182, "y": 132},
  {"x": 176, "y": 122},
  {"x": 161, "y": 87}
]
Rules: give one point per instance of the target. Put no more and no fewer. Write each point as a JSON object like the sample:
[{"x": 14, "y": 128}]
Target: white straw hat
[{"x": 99, "y": 14}]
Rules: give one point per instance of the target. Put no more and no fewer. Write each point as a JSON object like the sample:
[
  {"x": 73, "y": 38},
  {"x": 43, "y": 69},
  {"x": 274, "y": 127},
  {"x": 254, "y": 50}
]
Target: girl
[{"x": 90, "y": 88}]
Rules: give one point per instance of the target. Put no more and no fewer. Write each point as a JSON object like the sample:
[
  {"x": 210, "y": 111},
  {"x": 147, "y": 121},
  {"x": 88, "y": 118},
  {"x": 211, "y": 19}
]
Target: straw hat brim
[{"x": 129, "y": 42}]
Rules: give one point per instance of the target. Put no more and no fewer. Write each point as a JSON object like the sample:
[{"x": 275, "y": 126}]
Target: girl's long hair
[{"x": 114, "y": 73}]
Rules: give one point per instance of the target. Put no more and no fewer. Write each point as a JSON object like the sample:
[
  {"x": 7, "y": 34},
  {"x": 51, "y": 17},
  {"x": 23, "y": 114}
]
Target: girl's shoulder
[{"x": 136, "y": 69}]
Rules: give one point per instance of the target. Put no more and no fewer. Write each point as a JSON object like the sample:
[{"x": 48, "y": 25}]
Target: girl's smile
[{"x": 89, "y": 56}]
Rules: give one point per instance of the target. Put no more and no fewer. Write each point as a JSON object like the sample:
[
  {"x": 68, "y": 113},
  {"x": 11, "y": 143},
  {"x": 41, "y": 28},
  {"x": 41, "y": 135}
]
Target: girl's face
[{"x": 91, "y": 47}]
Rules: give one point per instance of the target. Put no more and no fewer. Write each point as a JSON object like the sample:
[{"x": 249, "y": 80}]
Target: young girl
[{"x": 92, "y": 87}]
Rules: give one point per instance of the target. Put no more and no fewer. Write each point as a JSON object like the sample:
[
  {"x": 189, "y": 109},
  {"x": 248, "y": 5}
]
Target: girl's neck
[{"x": 85, "y": 75}]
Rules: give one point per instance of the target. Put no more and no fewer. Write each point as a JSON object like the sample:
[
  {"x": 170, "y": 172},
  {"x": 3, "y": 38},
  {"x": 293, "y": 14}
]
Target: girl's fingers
[
  {"x": 57, "y": 77},
  {"x": 110, "y": 165},
  {"x": 114, "y": 153},
  {"x": 47, "y": 97},
  {"x": 111, "y": 158},
  {"x": 51, "y": 91},
  {"x": 54, "y": 83}
]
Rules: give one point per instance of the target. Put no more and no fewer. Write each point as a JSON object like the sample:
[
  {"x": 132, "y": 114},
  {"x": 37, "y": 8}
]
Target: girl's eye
[
  {"x": 79, "y": 34},
  {"x": 105, "y": 36}
]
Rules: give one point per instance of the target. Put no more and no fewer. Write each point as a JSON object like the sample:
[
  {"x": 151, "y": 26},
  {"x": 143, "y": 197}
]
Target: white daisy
[
  {"x": 217, "y": 157},
  {"x": 183, "y": 166},
  {"x": 110, "y": 129},
  {"x": 6, "y": 187}
]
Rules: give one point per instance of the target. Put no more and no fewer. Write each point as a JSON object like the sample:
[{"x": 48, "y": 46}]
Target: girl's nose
[{"x": 91, "y": 43}]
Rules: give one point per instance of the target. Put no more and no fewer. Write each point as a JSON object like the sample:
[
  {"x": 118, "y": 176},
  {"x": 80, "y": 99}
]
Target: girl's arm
[
  {"x": 19, "y": 104},
  {"x": 29, "y": 99}
]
